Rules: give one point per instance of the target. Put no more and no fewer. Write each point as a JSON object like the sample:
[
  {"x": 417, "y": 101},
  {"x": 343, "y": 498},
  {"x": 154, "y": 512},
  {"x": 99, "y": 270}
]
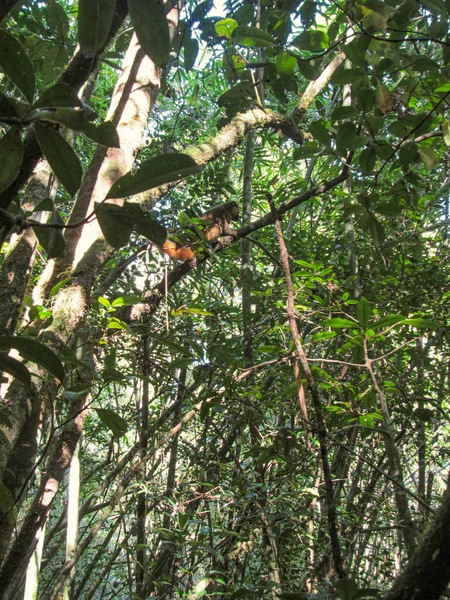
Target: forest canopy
[{"x": 224, "y": 299}]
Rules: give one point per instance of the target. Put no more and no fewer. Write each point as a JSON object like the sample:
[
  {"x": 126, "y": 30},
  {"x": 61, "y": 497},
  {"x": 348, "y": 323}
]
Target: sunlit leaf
[
  {"x": 225, "y": 27},
  {"x": 285, "y": 63}
]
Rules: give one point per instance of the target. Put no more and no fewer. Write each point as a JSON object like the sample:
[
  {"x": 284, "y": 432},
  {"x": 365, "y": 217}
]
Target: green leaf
[
  {"x": 56, "y": 241},
  {"x": 446, "y": 132},
  {"x": 61, "y": 158},
  {"x": 94, "y": 23},
  {"x": 252, "y": 37},
  {"x": 183, "y": 519},
  {"x": 154, "y": 172},
  {"x": 152, "y": 29},
  {"x": 320, "y": 132},
  {"x": 59, "y": 94},
  {"x": 73, "y": 118},
  {"x": 11, "y": 154},
  {"x": 225, "y": 27},
  {"x": 126, "y": 300},
  {"x": 35, "y": 352},
  {"x": 345, "y": 135},
  {"x": 346, "y": 588},
  {"x": 104, "y": 134},
  {"x": 286, "y": 63},
  {"x": 376, "y": 231},
  {"x": 387, "y": 321},
  {"x": 422, "y": 323},
  {"x": 363, "y": 313},
  {"x": 110, "y": 220},
  {"x": 339, "y": 323},
  {"x": 344, "y": 112},
  {"x": 57, "y": 19},
  {"x": 313, "y": 40},
  {"x": 344, "y": 76},
  {"x": 15, "y": 368},
  {"x": 307, "y": 69},
  {"x": 428, "y": 157},
  {"x": 16, "y": 65},
  {"x": 323, "y": 335},
  {"x": 190, "y": 46},
  {"x": 144, "y": 224},
  {"x": 113, "y": 421},
  {"x": 6, "y": 499},
  {"x": 367, "y": 159}
]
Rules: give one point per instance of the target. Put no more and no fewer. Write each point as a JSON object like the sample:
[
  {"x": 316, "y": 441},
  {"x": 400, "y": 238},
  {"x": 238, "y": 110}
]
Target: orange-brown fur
[{"x": 220, "y": 217}]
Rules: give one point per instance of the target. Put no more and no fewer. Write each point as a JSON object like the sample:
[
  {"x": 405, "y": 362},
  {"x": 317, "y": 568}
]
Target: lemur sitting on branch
[{"x": 186, "y": 245}]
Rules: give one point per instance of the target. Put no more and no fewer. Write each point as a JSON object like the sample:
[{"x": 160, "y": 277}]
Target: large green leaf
[
  {"x": 252, "y": 37},
  {"x": 225, "y": 28},
  {"x": 61, "y": 158},
  {"x": 11, "y": 154},
  {"x": 313, "y": 40},
  {"x": 14, "y": 62},
  {"x": 105, "y": 134},
  {"x": 339, "y": 323},
  {"x": 110, "y": 220},
  {"x": 113, "y": 421},
  {"x": 154, "y": 172},
  {"x": 144, "y": 224},
  {"x": 59, "y": 94},
  {"x": 94, "y": 23},
  {"x": 35, "y": 352},
  {"x": 363, "y": 313},
  {"x": 152, "y": 30},
  {"x": 15, "y": 368}
]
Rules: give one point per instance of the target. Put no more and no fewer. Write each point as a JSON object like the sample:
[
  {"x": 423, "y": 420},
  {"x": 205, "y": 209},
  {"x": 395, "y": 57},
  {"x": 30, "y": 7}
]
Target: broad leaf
[
  {"x": 109, "y": 218},
  {"x": 113, "y": 421},
  {"x": 144, "y": 224},
  {"x": 422, "y": 323},
  {"x": 286, "y": 63},
  {"x": 61, "y": 158},
  {"x": 35, "y": 352},
  {"x": 11, "y": 154},
  {"x": 225, "y": 27},
  {"x": 94, "y": 23},
  {"x": 252, "y": 37},
  {"x": 312, "y": 40},
  {"x": 59, "y": 94},
  {"x": 190, "y": 46},
  {"x": 15, "y": 368},
  {"x": 154, "y": 172},
  {"x": 152, "y": 30},
  {"x": 105, "y": 134},
  {"x": 338, "y": 323},
  {"x": 363, "y": 313},
  {"x": 14, "y": 63}
]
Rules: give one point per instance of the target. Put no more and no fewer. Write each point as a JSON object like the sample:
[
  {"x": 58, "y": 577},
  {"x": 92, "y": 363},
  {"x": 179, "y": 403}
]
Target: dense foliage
[{"x": 269, "y": 419}]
